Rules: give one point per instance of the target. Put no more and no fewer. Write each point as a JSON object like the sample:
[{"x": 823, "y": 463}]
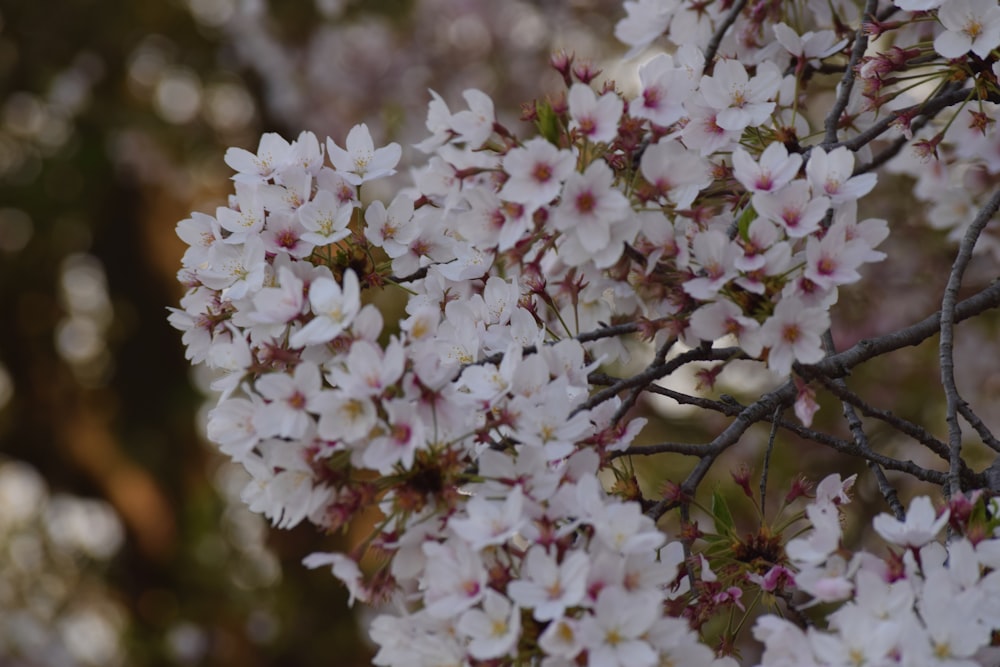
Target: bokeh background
[{"x": 122, "y": 537}]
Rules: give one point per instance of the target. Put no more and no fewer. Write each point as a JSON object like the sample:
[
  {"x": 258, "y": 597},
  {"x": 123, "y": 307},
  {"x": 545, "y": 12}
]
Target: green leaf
[
  {"x": 547, "y": 122},
  {"x": 720, "y": 512},
  {"x": 743, "y": 223}
]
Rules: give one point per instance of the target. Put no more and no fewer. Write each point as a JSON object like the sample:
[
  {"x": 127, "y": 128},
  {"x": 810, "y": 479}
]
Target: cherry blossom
[
  {"x": 360, "y": 161},
  {"x": 970, "y": 25},
  {"x": 594, "y": 117}
]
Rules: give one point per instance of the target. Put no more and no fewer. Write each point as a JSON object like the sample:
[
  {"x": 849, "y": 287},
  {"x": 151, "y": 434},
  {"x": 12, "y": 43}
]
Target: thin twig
[
  {"x": 861, "y": 438},
  {"x": 720, "y": 33},
  {"x": 945, "y": 98},
  {"x": 947, "y": 343},
  {"x": 661, "y": 357},
  {"x": 838, "y": 365},
  {"x": 847, "y": 83},
  {"x": 904, "y": 426},
  {"x": 981, "y": 428},
  {"x": 775, "y": 421},
  {"x": 657, "y": 371}
]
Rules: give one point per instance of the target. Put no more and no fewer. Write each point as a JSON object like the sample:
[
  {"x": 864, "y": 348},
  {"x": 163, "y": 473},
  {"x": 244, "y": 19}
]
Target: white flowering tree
[{"x": 712, "y": 215}]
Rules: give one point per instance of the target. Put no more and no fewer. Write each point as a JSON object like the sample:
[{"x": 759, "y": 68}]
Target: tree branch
[{"x": 946, "y": 347}]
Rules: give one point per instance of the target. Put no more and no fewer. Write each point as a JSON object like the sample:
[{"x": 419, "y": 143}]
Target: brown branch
[{"x": 946, "y": 346}]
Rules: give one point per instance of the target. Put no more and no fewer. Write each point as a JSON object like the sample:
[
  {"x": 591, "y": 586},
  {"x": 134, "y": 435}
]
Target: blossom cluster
[
  {"x": 699, "y": 208},
  {"x": 925, "y": 603}
]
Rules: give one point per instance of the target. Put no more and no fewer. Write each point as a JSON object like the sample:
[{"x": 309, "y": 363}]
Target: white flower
[
  {"x": 454, "y": 578},
  {"x": 614, "y": 634},
  {"x": 922, "y": 524},
  {"x": 494, "y": 629},
  {"x": 664, "y": 89},
  {"x": 231, "y": 426},
  {"x": 474, "y": 125},
  {"x": 391, "y": 229},
  {"x": 536, "y": 172},
  {"x": 792, "y": 207},
  {"x": 830, "y": 175},
  {"x": 237, "y": 270},
  {"x": 970, "y": 25},
  {"x": 489, "y": 521},
  {"x": 719, "y": 318},
  {"x": 674, "y": 171},
  {"x": 345, "y": 569},
  {"x": 404, "y": 435},
  {"x": 549, "y": 587},
  {"x": 645, "y": 21},
  {"x": 793, "y": 334},
  {"x": 325, "y": 219},
  {"x": 715, "y": 254},
  {"x": 590, "y": 205},
  {"x": 741, "y": 101},
  {"x": 775, "y": 169},
  {"x": 596, "y": 118},
  {"x": 438, "y": 124},
  {"x": 812, "y": 46},
  {"x": 272, "y": 152},
  {"x": 703, "y": 132},
  {"x": 284, "y": 414},
  {"x": 343, "y": 417},
  {"x": 361, "y": 162},
  {"x": 277, "y": 305},
  {"x": 245, "y": 218},
  {"x": 334, "y": 306},
  {"x": 832, "y": 260}
]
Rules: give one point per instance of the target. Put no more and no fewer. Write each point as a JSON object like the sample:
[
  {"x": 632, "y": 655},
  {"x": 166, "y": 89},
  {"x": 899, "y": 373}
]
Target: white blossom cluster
[
  {"x": 926, "y": 603},
  {"x": 699, "y": 208}
]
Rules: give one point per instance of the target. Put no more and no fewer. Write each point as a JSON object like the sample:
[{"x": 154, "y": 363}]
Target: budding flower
[{"x": 741, "y": 475}]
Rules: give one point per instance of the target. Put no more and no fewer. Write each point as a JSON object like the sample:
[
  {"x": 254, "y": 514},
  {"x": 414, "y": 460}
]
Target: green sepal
[{"x": 547, "y": 122}]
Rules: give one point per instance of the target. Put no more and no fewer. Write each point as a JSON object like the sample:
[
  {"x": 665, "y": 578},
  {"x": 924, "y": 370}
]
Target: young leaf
[{"x": 720, "y": 512}]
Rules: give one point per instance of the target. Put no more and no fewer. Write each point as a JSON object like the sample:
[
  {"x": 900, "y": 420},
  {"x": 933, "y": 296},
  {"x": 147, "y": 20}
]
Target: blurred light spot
[
  {"x": 24, "y": 114},
  {"x": 528, "y": 29},
  {"x": 88, "y": 526},
  {"x": 178, "y": 96},
  {"x": 228, "y": 107},
  {"x": 84, "y": 286},
  {"x": 15, "y": 229},
  {"x": 331, "y": 9},
  {"x": 187, "y": 642},
  {"x": 80, "y": 336},
  {"x": 262, "y": 626},
  {"x": 147, "y": 62},
  {"x": 469, "y": 33},
  {"x": 212, "y": 13},
  {"x": 70, "y": 90},
  {"x": 211, "y": 551},
  {"x": 22, "y": 494},
  {"x": 78, "y": 339},
  {"x": 25, "y": 551},
  {"x": 92, "y": 637},
  {"x": 54, "y": 134}
]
